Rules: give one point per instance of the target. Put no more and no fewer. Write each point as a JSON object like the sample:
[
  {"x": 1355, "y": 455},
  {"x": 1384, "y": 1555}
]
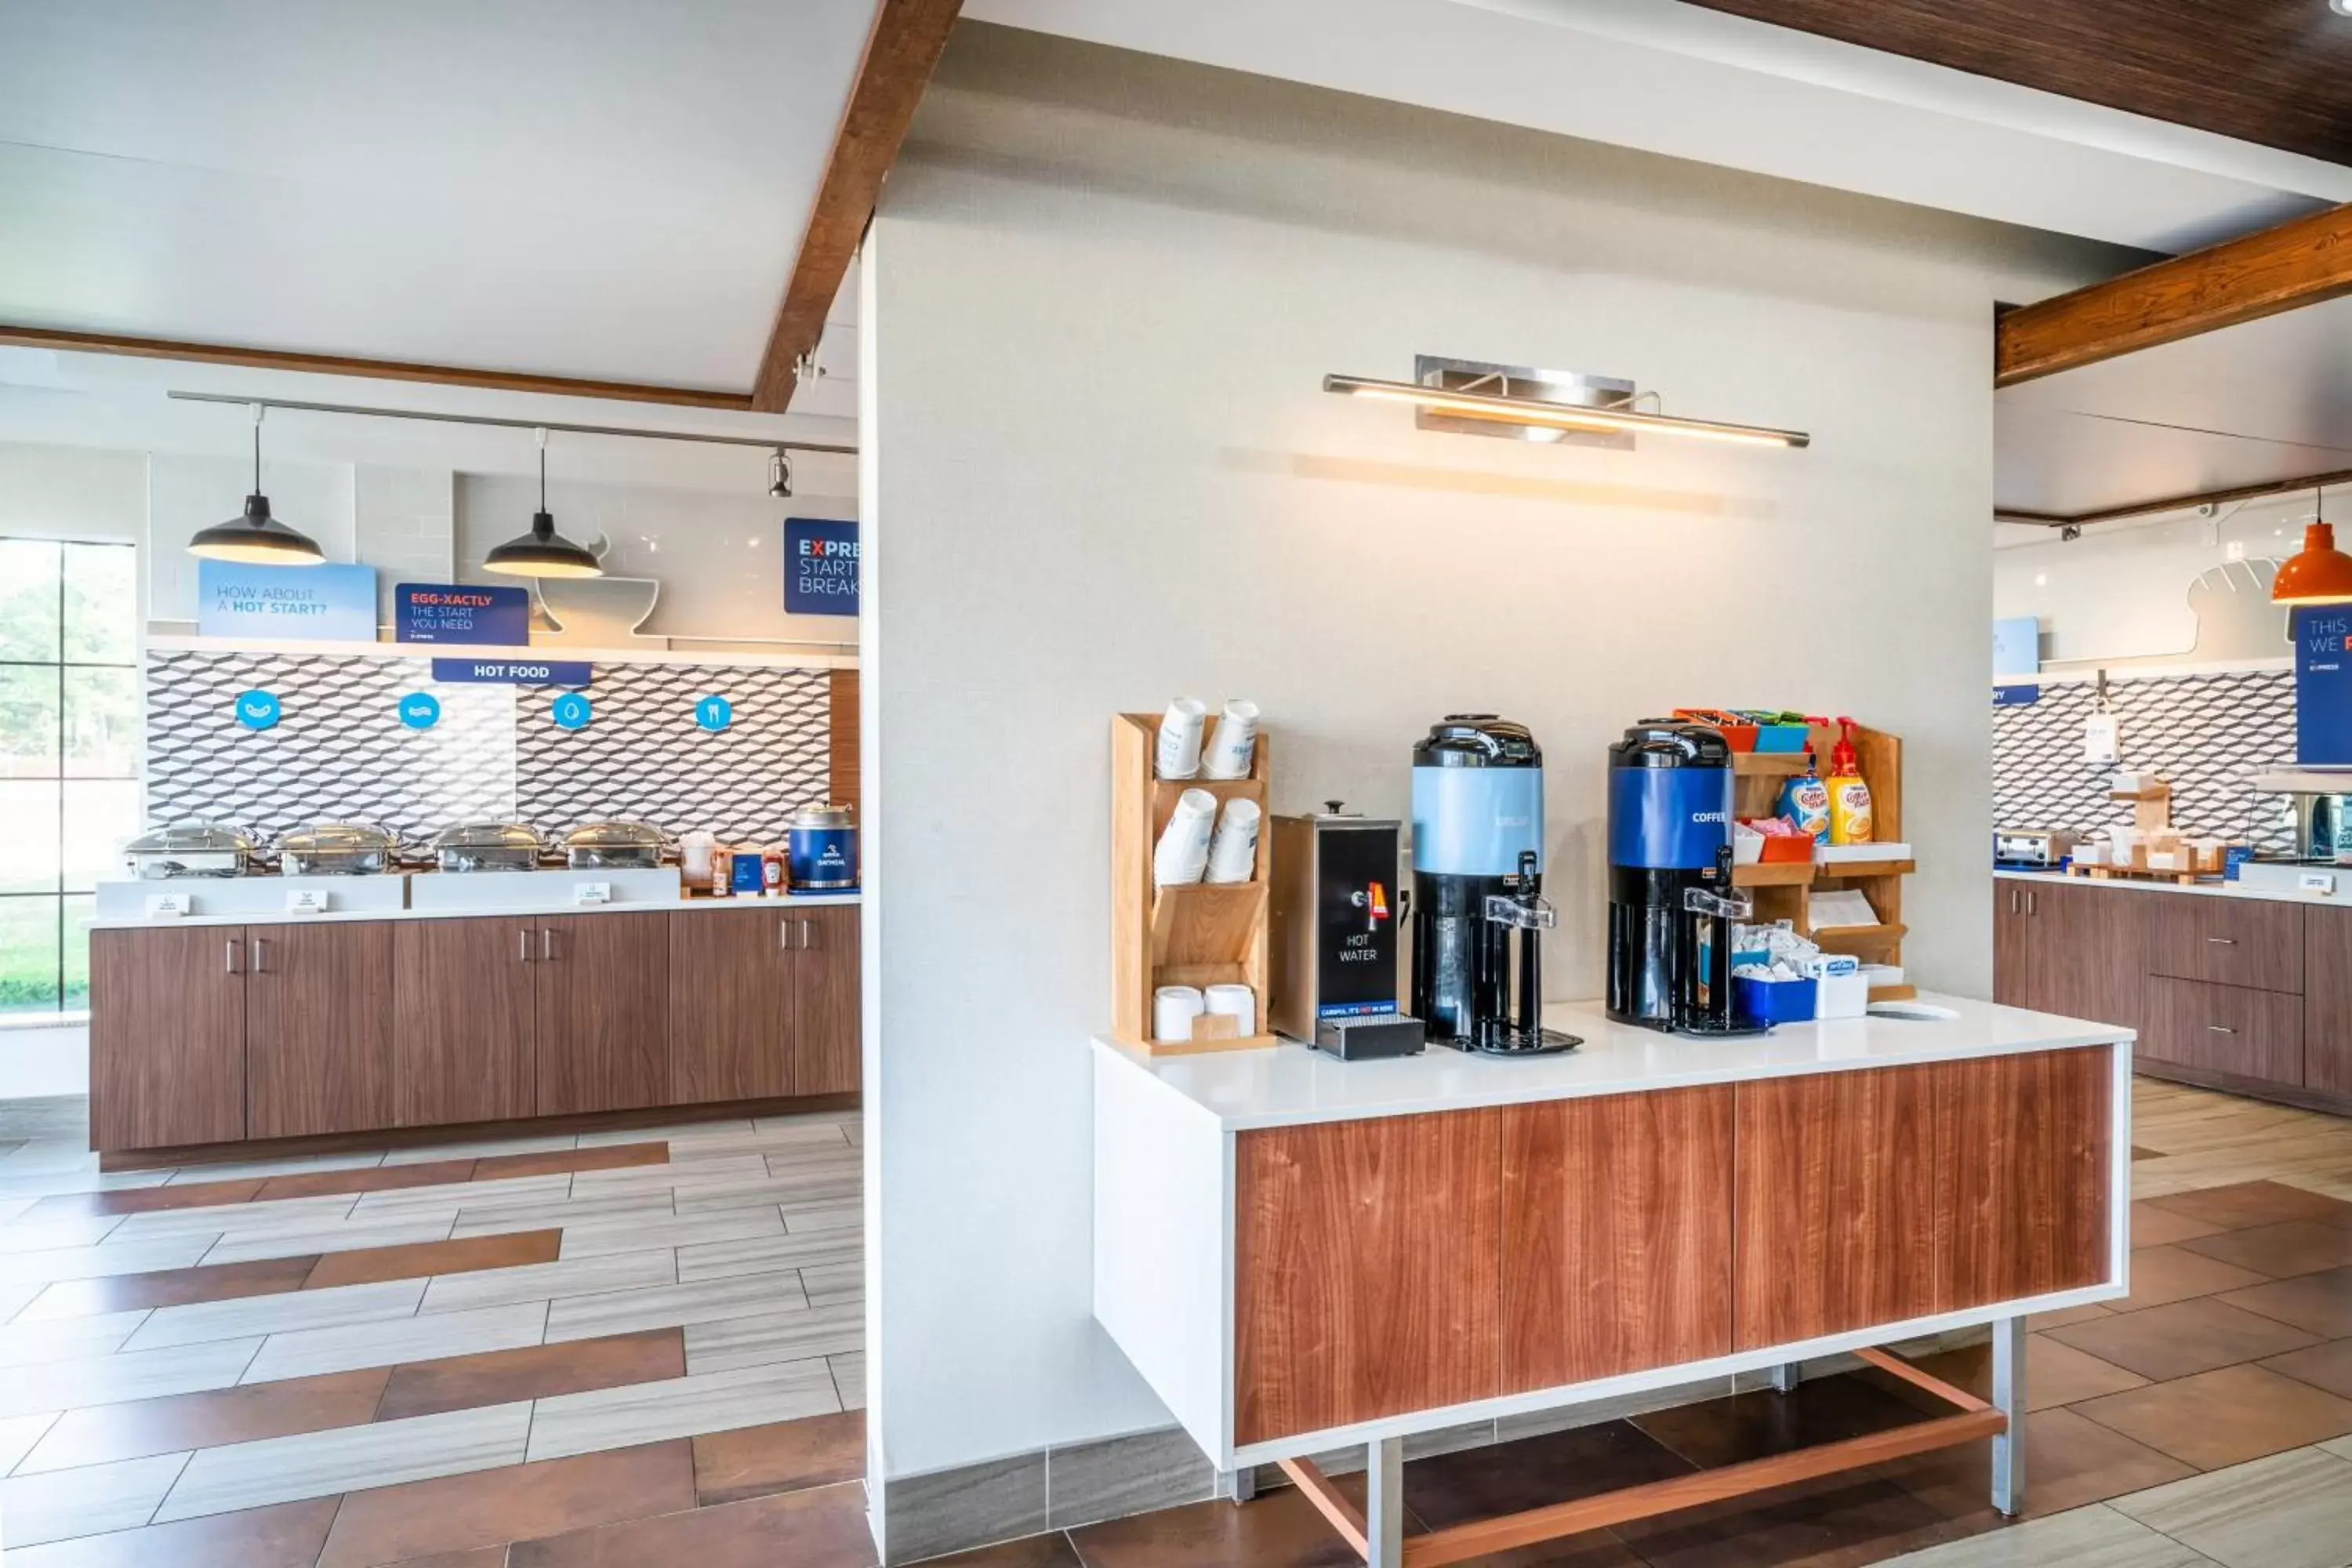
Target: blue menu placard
[
  {"x": 2322, "y": 685},
  {"x": 332, "y": 601},
  {"x": 820, "y": 566},
  {"x": 516, "y": 671},
  {"x": 460, "y": 612}
]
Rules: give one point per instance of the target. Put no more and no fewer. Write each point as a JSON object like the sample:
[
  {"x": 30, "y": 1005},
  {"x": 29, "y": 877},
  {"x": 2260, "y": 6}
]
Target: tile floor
[{"x": 621, "y": 1351}]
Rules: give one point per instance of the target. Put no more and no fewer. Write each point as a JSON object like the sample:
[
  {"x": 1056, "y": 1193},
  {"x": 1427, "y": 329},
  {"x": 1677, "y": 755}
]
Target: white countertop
[
  {"x": 492, "y": 912},
  {"x": 2195, "y": 890},
  {"x": 1288, "y": 1085}
]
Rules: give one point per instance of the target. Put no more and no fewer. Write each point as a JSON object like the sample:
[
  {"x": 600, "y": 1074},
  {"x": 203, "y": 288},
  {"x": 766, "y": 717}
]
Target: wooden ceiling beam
[
  {"x": 2304, "y": 261},
  {"x": 901, "y": 52},
  {"x": 372, "y": 369}
]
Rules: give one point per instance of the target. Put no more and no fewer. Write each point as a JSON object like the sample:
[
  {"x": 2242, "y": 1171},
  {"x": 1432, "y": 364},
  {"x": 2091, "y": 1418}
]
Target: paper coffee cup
[
  {"x": 1238, "y": 1003},
  {"x": 1232, "y": 849},
  {"x": 1178, "y": 752},
  {"x": 1232, "y": 743},
  {"x": 1174, "y": 1008},
  {"x": 1183, "y": 852}
]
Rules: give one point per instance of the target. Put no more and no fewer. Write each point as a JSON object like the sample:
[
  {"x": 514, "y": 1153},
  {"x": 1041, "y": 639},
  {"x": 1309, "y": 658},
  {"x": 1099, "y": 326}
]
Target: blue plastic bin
[{"x": 1773, "y": 1001}]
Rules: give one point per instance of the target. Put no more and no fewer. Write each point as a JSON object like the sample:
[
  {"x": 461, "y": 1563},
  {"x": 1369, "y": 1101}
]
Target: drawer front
[
  {"x": 2225, "y": 1028},
  {"x": 2229, "y": 942}
]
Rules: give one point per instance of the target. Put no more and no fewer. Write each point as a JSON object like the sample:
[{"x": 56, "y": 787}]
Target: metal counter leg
[
  {"x": 1384, "y": 1503},
  {"x": 1787, "y": 1375},
  {"x": 1239, "y": 1485},
  {"x": 2008, "y": 1398}
]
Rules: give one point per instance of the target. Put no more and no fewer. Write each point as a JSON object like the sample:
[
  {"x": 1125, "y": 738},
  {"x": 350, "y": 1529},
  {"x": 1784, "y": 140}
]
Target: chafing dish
[
  {"x": 613, "y": 846},
  {"x": 336, "y": 849},
  {"x": 487, "y": 846},
  {"x": 191, "y": 849}
]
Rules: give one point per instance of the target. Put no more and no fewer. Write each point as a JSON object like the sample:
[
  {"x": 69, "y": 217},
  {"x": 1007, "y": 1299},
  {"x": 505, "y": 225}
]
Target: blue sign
[
  {"x": 571, "y": 710},
  {"x": 420, "y": 710},
  {"x": 2323, "y": 686},
  {"x": 256, "y": 710},
  {"x": 515, "y": 671},
  {"x": 2016, "y": 695},
  {"x": 2016, "y": 646},
  {"x": 459, "y": 612},
  {"x": 714, "y": 713},
  {"x": 820, "y": 567},
  {"x": 242, "y": 599}
]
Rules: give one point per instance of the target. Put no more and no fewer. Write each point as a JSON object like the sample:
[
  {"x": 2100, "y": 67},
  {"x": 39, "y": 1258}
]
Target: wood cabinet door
[
  {"x": 602, "y": 985},
  {"x": 826, "y": 1020},
  {"x": 730, "y": 1004},
  {"x": 2225, "y": 1028},
  {"x": 2012, "y": 945},
  {"x": 2228, "y": 941},
  {"x": 2023, "y": 1163},
  {"x": 2328, "y": 999},
  {"x": 1366, "y": 1270},
  {"x": 2090, "y": 955},
  {"x": 1617, "y": 1240},
  {"x": 166, "y": 1036},
  {"x": 1833, "y": 1203},
  {"x": 318, "y": 1028},
  {"x": 463, "y": 1018}
]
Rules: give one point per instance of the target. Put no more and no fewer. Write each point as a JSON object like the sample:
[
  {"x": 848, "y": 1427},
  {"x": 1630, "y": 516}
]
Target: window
[{"x": 69, "y": 757}]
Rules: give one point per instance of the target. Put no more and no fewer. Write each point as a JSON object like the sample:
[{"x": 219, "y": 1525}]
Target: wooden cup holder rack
[{"x": 1200, "y": 933}]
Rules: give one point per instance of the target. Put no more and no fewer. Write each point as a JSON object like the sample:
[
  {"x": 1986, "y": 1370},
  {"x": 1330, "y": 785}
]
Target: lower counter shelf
[{"x": 206, "y": 1037}]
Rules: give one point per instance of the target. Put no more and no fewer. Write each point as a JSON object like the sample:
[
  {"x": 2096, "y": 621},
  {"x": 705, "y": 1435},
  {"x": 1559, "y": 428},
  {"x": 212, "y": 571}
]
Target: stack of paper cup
[
  {"x": 1233, "y": 741},
  {"x": 1178, "y": 753},
  {"x": 1183, "y": 852},
  {"x": 1232, "y": 852},
  {"x": 1174, "y": 1008},
  {"x": 1237, "y": 1002}
]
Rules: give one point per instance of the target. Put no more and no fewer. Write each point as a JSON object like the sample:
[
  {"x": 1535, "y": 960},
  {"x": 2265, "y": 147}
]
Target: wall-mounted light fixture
[{"x": 1521, "y": 403}]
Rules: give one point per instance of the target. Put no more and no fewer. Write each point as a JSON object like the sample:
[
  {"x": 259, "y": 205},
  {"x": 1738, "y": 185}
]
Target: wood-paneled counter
[
  {"x": 210, "y": 1033},
  {"x": 2230, "y": 987},
  {"x": 1297, "y": 1252}
]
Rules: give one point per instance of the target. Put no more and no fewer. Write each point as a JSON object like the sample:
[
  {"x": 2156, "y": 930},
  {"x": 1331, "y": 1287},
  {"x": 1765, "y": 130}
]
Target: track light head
[{"x": 779, "y": 475}]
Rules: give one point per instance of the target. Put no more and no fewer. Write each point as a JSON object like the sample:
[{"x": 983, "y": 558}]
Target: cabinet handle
[
  {"x": 2222, "y": 940},
  {"x": 547, "y": 942},
  {"x": 522, "y": 945},
  {"x": 784, "y": 933},
  {"x": 260, "y": 946},
  {"x": 231, "y": 960},
  {"x": 2012, "y": 901},
  {"x": 2219, "y": 1029},
  {"x": 2031, "y": 902},
  {"x": 808, "y": 934}
]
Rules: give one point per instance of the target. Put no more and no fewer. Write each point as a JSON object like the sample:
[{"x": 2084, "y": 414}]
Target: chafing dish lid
[
  {"x": 191, "y": 838},
  {"x": 337, "y": 838},
  {"x": 486, "y": 835},
  {"x": 613, "y": 836}
]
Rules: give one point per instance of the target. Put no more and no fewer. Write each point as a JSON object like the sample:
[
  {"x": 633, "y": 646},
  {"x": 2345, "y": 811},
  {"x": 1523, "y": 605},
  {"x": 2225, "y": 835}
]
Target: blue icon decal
[
  {"x": 570, "y": 710},
  {"x": 420, "y": 710},
  {"x": 256, "y": 710},
  {"x": 714, "y": 713}
]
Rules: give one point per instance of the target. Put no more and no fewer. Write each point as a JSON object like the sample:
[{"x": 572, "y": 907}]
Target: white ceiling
[
  {"x": 600, "y": 188},
  {"x": 2255, "y": 403},
  {"x": 1676, "y": 79}
]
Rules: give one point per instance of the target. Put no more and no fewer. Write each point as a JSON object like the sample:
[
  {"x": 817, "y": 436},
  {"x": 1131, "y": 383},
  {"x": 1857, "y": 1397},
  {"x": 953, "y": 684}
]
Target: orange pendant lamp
[{"x": 2318, "y": 574}]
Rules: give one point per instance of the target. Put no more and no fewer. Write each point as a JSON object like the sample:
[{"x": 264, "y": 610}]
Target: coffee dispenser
[
  {"x": 1480, "y": 913},
  {"x": 1671, "y": 901}
]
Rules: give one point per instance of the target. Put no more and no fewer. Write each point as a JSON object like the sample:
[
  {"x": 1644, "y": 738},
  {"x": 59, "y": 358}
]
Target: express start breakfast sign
[{"x": 820, "y": 566}]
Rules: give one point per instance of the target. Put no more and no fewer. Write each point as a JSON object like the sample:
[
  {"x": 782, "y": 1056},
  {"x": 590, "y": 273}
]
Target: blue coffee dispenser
[{"x": 1478, "y": 910}]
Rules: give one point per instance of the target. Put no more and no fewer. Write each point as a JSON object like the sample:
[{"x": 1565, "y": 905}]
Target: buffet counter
[
  {"x": 211, "y": 1033},
  {"x": 1298, "y": 1253},
  {"x": 2279, "y": 891},
  {"x": 2232, "y": 987}
]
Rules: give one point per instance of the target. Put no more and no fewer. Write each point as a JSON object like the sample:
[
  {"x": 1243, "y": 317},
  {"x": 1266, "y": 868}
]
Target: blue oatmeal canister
[{"x": 821, "y": 846}]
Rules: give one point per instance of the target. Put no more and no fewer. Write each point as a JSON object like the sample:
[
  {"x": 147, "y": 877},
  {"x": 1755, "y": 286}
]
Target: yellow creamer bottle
[{"x": 1850, "y": 810}]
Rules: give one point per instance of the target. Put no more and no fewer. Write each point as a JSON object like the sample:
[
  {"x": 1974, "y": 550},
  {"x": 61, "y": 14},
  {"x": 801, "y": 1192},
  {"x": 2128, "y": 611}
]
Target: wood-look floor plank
[
  {"x": 420, "y": 1259},
  {"x": 490, "y": 1508}
]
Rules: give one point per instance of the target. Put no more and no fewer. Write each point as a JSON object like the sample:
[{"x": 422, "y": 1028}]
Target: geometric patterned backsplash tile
[
  {"x": 2209, "y": 735},
  {"x": 339, "y": 751}
]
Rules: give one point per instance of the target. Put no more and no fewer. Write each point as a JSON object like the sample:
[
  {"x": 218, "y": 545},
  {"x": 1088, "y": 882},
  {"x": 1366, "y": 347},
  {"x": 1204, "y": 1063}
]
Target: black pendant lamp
[
  {"x": 542, "y": 552},
  {"x": 256, "y": 536}
]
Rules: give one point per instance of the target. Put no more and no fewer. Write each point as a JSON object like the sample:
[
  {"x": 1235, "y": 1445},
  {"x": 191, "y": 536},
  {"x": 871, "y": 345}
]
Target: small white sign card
[
  {"x": 166, "y": 906},
  {"x": 306, "y": 901}
]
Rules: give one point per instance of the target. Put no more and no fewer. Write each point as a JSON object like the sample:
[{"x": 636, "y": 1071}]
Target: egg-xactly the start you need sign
[
  {"x": 333, "y": 600},
  {"x": 820, "y": 566}
]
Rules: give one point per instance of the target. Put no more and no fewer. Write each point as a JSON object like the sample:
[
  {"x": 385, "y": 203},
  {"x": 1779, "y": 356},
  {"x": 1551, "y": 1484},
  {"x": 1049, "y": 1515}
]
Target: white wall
[
  {"x": 1104, "y": 292},
  {"x": 72, "y": 492},
  {"x": 2123, "y": 592}
]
